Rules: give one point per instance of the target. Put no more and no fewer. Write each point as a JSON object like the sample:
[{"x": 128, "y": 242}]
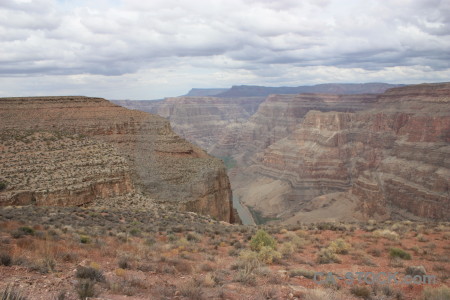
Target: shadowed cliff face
[
  {"x": 390, "y": 161},
  {"x": 161, "y": 164}
]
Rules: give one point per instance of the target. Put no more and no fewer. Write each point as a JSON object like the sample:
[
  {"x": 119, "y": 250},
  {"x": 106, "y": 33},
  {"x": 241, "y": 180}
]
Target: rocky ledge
[{"x": 136, "y": 150}]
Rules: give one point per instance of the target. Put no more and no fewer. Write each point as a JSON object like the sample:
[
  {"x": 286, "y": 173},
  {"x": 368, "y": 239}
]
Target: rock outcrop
[
  {"x": 387, "y": 162},
  {"x": 159, "y": 162},
  {"x": 48, "y": 168}
]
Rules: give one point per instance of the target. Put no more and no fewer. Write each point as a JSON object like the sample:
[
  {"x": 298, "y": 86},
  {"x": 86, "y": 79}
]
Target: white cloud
[{"x": 147, "y": 48}]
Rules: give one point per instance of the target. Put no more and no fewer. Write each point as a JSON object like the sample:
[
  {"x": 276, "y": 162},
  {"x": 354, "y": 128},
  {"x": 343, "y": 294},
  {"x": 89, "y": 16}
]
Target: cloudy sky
[{"x": 135, "y": 49}]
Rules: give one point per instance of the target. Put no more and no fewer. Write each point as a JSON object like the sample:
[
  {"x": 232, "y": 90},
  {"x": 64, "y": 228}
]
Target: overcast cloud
[{"x": 134, "y": 49}]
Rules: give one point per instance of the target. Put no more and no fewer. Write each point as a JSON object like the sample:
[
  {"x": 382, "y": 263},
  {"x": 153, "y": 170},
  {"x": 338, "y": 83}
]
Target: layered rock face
[
  {"x": 201, "y": 120},
  {"x": 46, "y": 168},
  {"x": 387, "y": 162},
  {"x": 214, "y": 118},
  {"x": 150, "y": 106},
  {"x": 277, "y": 117},
  {"x": 162, "y": 164}
]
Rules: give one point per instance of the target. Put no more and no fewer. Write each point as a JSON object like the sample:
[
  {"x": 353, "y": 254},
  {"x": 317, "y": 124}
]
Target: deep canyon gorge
[{"x": 331, "y": 152}]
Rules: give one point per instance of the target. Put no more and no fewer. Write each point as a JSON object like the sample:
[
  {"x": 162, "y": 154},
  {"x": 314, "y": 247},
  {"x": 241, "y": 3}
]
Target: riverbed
[{"x": 243, "y": 212}]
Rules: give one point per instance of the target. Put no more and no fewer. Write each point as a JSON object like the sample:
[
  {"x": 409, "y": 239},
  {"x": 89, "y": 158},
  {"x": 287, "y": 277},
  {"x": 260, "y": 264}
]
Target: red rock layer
[
  {"x": 394, "y": 158},
  {"x": 164, "y": 165}
]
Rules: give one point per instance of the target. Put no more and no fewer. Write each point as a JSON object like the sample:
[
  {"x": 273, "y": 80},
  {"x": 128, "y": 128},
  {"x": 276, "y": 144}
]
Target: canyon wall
[
  {"x": 201, "y": 120},
  {"x": 213, "y": 118},
  {"x": 159, "y": 163},
  {"x": 47, "y": 168},
  {"x": 277, "y": 117},
  {"x": 391, "y": 161}
]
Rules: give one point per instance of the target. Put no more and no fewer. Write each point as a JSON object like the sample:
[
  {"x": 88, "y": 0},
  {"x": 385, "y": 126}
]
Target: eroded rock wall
[
  {"x": 277, "y": 117},
  {"x": 162, "y": 164},
  {"x": 393, "y": 159}
]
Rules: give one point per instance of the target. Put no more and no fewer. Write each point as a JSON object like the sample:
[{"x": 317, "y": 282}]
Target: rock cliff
[
  {"x": 201, "y": 120},
  {"x": 387, "y": 162},
  {"x": 131, "y": 150},
  {"x": 277, "y": 117},
  {"x": 48, "y": 168}
]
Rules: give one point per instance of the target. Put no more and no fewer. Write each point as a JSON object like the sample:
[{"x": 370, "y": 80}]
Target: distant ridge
[
  {"x": 328, "y": 88},
  {"x": 195, "y": 92}
]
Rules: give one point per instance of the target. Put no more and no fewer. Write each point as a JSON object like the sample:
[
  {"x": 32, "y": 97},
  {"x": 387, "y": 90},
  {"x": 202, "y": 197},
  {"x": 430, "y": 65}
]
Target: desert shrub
[
  {"x": 434, "y": 293},
  {"x": 233, "y": 252},
  {"x": 367, "y": 261},
  {"x": 389, "y": 291},
  {"x": 125, "y": 287},
  {"x": 397, "y": 252},
  {"x": 287, "y": 249},
  {"x": 339, "y": 246},
  {"x": 183, "y": 242},
  {"x": 182, "y": 266},
  {"x": 327, "y": 256},
  {"x": 90, "y": 273},
  {"x": 422, "y": 238},
  {"x": 69, "y": 257},
  {"x": 206, "y": 267},
  {"x": 11, "y": 293},
  {"x": 21, "y": 231},
  {"x": 396, "y": 262},
  {"x": 193, "y": 237},
  {"x": 150, "y": 241},
  {"x": 3, "y": 185},
  {"x": 301, "y": 272},
  {"x": 192, "y": 290},
  {"x": 268, "y": 254},
  {"x": 124, "y": 263},
  {"x": 262, "y": 239},
  {"x": 248, "y": 260},
  {"x": 415, "y": 270},
  {"x": 299, "y": 242},
  {"x": 321, "y": 294},
  {"x": 135, "y": 232},
  {"x": 375, "y": 252},
  {"x": 85, "y": 289},
  {"x": 61, "y": 295},
  {"x": 84, "y": 239},
  {"x": 5, "y": 259},
  {"x": 388, "y": 234},
  {"x": 245, "y": 277},
  {"x": 360, "y": 291}
]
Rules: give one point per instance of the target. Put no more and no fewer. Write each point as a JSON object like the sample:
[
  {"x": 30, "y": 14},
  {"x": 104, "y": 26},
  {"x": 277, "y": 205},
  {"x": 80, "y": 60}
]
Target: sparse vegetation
[
  {"x": 262, "y": 239},
  {"x": 90, "y": 273},
  {"x": 11, "y": 293},
  {"x": 327, "y": 256},
  {"x": 388, "y": 234},
  {"x": 177, "y": 251},
  {"x": 339, "y": 246},
  {"x": 85, "y": 289},
  {"x": 5, "y": 259},
  {"x": 439, "y": 293},
  {"x": 397, "y": 252},
  {"x": 3, "y": 185},
  {"x": 360, "y": 291}
]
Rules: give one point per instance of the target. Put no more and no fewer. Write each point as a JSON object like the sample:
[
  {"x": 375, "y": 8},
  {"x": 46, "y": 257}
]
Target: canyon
[
  {"x": 81, "y": 150},
  {"x": 328, "y": 156}
]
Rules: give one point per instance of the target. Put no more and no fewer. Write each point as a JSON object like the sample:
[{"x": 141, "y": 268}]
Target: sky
[{"x": 135, "y": 49}]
